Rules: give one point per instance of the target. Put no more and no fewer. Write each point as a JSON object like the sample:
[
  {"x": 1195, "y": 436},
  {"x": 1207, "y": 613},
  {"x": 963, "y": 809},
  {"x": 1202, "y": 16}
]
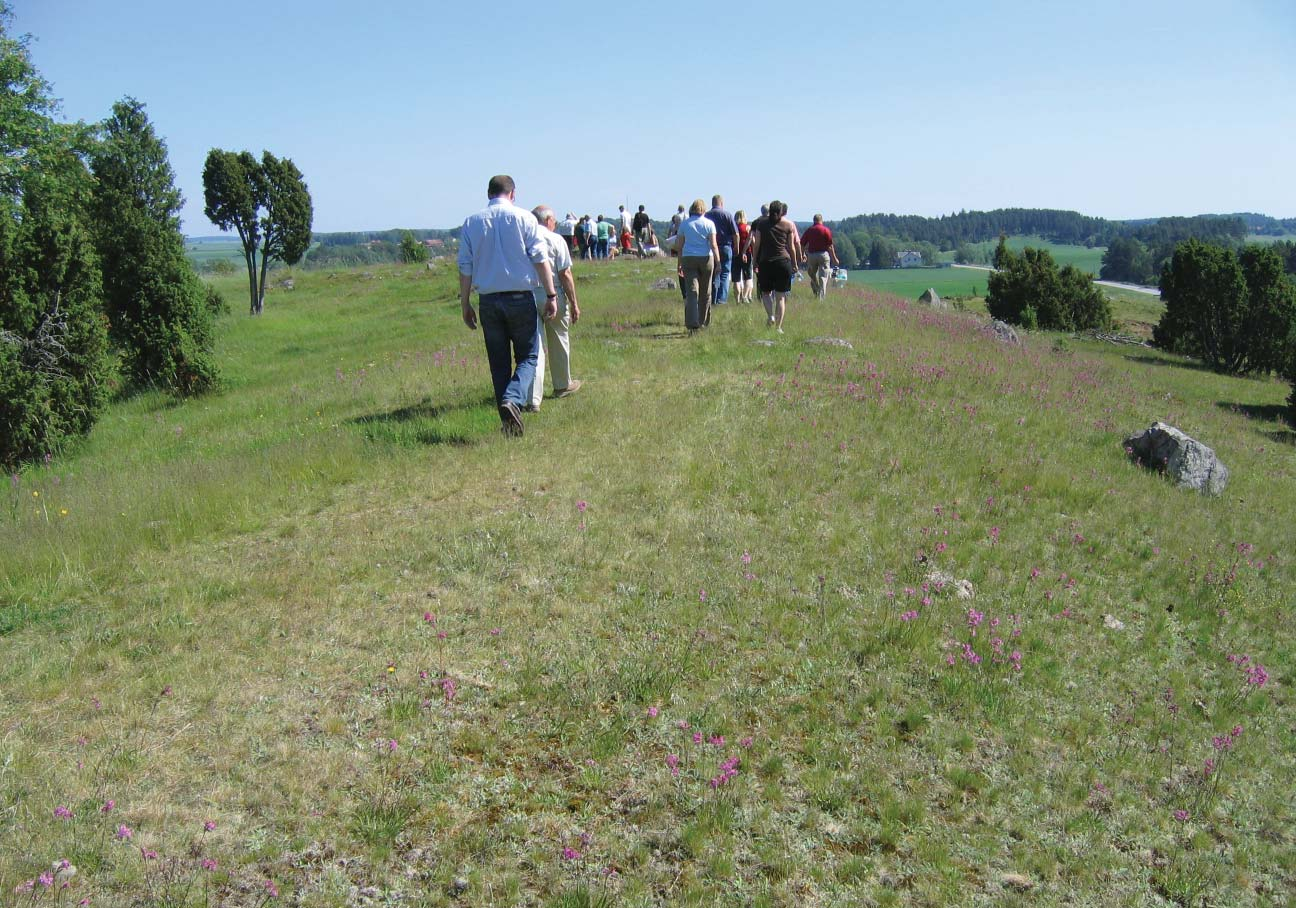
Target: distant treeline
[
  {"x": 1140, "y": 255},
  {"x": 369, "y": 247},
  {"x": 951, "y": 230}
]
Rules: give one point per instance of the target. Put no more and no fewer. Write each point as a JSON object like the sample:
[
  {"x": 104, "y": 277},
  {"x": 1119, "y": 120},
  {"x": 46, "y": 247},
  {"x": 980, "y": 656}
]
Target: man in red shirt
[{"x": 821, "y": 257}]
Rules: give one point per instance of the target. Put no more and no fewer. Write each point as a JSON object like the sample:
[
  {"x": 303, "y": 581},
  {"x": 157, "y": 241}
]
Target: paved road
[{"x": 1136, "y": 288}]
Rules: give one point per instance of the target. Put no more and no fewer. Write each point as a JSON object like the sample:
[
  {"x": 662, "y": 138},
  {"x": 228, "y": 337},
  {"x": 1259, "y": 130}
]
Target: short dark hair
[
  {"x": 500, "y": 184},
  {"x": 641, "y": 208}
]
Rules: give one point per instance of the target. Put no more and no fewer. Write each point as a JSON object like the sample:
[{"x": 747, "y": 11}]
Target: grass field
[
  {"x": 204, "y": 250},
  {"x": 911, "y": 282},
  {"x": 327, "y": 638}
]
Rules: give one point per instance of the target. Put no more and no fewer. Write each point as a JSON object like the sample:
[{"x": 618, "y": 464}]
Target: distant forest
[
  {"x": 1136, "y": 250},
  {"x": 368, "y": 247},
  {"x": 949, "y": 231}
]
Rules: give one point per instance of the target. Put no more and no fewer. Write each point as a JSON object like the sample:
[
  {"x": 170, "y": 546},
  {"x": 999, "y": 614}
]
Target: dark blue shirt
[{"x": 726, "y": 226}]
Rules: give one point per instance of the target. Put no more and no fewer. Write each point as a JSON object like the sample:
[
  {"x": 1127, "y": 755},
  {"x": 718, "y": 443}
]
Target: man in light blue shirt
[{"x": 503, "y": 254}]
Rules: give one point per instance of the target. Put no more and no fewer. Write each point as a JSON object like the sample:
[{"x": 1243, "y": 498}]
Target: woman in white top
[{"x": 698, "y": 257}]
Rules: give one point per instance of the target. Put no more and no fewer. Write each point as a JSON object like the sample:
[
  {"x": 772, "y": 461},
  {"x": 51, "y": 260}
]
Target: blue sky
[{"x": 398, "y": 113}]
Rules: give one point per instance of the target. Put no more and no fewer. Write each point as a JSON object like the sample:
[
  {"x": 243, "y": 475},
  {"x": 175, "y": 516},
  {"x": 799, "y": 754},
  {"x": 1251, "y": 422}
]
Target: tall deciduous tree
[
  {"x": 266, "y": 203},
  {"x": 157, "y": 309},
  {"x": 54, "y": 364}
]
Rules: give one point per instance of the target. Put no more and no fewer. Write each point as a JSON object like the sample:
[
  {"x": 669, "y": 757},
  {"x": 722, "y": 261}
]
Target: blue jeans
[
  {"x": 720, "y": 288},
  {"x": 511, "y": 330},
  {"x": 602, "y": 248}
]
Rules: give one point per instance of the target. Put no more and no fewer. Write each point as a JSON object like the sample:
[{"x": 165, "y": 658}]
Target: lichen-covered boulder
[{"x": 1184, "y": 459}]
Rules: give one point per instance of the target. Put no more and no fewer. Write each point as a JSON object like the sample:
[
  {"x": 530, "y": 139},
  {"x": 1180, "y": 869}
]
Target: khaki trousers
[
  {"x": 697, "y": 290},
  {"x": 554, "y": 349}
]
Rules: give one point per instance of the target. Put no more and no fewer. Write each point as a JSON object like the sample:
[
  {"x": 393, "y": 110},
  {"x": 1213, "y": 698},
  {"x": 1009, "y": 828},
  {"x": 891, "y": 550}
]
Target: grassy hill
[{"x": 685, "y": 643}]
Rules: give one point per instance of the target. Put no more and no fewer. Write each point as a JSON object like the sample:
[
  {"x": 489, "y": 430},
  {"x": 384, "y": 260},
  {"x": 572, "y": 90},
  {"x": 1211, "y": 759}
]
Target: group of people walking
[
  {"x": 715, "y": 247},
  {"x": 602, "y": 238},
  {"x": 520, "y": 263}
]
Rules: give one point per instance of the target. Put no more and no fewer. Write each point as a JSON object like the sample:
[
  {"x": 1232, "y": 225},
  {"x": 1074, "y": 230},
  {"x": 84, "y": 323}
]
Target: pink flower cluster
[
  {"x": 1256, "y": 676},
  {"x": 728, "y": 769},
  {"x": 1226, "y": 742}
]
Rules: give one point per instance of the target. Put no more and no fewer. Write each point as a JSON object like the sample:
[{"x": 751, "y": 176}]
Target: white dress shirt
[{"x": 499, "y": 247}]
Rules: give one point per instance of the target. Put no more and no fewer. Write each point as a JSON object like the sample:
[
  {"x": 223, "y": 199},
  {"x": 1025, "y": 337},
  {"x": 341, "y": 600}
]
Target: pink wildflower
[
  {"x": 652, "y": 712},
  {"x": 271, "y": 889},
  {"x": 1181, "y": 815},
  {"x": 62, "y": 812},
  {"x": 208, "y": 864},
  {"x": 570, "y": 854},
  {"x": 108, "y": 806},
  {"x": 124, "y": 833},
  {"x": 582, "y": 505},
  {"x": 209, "y": 825}
]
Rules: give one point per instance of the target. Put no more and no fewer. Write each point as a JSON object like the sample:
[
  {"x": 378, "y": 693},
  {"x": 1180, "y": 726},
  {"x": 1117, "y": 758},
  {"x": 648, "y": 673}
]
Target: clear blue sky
[{"x": 398, "y": 113}]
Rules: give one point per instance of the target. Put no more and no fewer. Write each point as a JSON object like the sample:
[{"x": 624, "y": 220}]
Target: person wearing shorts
[
  {"x": 742, "y": 263},
  {"x": 776, "y": 250}
]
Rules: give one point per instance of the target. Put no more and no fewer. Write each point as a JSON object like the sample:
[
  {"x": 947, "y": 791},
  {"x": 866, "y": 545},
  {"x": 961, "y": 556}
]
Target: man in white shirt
[
  {"x": 625, "y": 222},
  {"x": 567, "y": 230},
  {"x": 555, "y": 343},
  {"x": 503, "y": 255}
]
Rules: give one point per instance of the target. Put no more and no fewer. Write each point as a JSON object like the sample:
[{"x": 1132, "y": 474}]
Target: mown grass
[{"x": 393, "y": 656}]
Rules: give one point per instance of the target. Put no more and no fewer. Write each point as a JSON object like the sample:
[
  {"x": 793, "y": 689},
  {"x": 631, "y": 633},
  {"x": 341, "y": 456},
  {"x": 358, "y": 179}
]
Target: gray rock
[
  {"x": 830, "y": 342},
  {"x": 931, "y": 298},
  {"x": 1187, "y": 461},
  {"x": 763, "y": 343},
  {"x": 1003, "y": 332},
  {"x": 287, "y": 283},
  {"x": 665, "y": 283}
]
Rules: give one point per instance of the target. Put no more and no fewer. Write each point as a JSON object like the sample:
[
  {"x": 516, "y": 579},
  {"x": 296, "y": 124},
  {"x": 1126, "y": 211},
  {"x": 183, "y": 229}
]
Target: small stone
[
  {"x": 1017, "y": 881},
  {"x": 931, "y": 298},
  {"x": 664, "y": 283},
  {"x": 831, "y": 342},
  {"x": 458, "y": 886},
  {"x": 763, "y": 343},
  {"x": 1003, "y": 332},
  {"x": 1113, "y": 623}
]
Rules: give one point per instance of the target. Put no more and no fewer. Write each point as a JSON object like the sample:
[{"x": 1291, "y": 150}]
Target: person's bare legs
[
  {"x": 768, "y": 300},
  {"x": 780, "y": 309}
]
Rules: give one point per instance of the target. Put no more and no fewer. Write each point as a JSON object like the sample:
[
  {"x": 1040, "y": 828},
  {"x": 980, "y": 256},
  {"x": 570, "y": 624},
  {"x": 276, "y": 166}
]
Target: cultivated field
[{"x": 696, "y": 640}]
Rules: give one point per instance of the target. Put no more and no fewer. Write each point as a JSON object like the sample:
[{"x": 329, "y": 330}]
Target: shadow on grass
[
  {"x": 1177, "y": 363},
  {"x": 427, "y": 423},
  {"x": 1266, "y": 412},
  {"x": 1282, "y": 436}
]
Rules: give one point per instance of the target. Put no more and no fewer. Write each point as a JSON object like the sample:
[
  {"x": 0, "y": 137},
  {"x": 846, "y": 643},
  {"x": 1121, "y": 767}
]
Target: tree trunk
[
  {"x": 250, "y": 258},
  {"x": 265, "y": 262}
]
